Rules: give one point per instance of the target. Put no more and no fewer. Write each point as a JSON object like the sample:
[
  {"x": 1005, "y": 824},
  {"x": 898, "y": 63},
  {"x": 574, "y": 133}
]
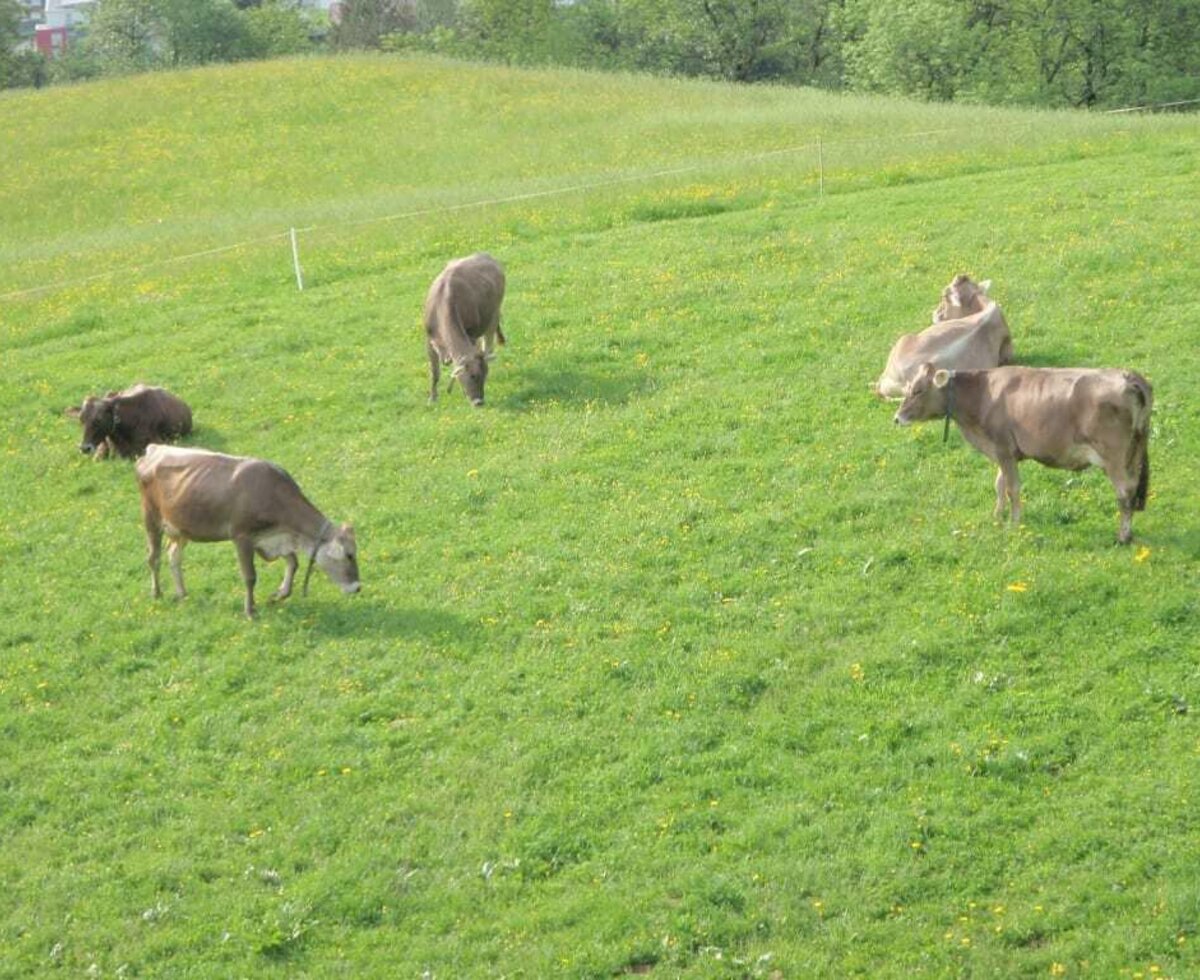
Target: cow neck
[
  {"x": 322, "y": 536},
  {"x": 460, "y": 353}
]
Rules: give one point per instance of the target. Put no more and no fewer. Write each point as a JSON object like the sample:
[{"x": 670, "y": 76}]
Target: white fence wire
[{"x": 819, "y": 147}]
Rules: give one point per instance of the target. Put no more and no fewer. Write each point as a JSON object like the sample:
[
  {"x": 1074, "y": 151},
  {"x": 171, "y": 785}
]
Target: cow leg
[
  {"x": 435, "y": 371},
  {"x": 1126, "y": 488},
  {"x": 153, "y": 521},
  {"x": 245, "y": 550},
  {"x": 1001, "y": 504},
  {"x": 1012, "y": 484},
  {"x": 1125, "y": 534},
  {"x": 289, "y": 574},
  {"x": 175, "y": 553}
]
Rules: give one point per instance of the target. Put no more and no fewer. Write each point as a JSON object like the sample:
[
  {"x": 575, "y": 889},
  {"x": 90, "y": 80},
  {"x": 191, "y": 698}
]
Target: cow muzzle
[
  {"x": 477, "y": 402},
  {"x": 86, "y": 448},
  {"x": 350, "y": 588}
]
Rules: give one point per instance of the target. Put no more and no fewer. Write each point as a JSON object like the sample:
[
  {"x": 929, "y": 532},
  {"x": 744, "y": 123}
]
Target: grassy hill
[{"x": 678, "y": 658}]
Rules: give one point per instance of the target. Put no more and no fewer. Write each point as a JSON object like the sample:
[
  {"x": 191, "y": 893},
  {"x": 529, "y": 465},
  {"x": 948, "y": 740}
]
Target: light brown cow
[
  {"x": 969, "y": 331},
  {"x": 197, "y": 495},
  {"x": 1066, "y": 418},
  {"x": 126, "y": 422},
  {"x": 961, "y": 298},
  {"x": 462, "y": 322}
]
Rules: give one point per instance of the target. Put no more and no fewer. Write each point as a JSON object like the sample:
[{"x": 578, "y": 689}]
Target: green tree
[
  {"x": 510, "y": 30},
  {"x": 197, "y": 32},
  {"x": 18, "y": 68},
  {"x": 909, "y": 47},
  {"x": 274, "y": 29},
  {"x": 364, "y": 23},
  {"x": 125, "y": 35}
]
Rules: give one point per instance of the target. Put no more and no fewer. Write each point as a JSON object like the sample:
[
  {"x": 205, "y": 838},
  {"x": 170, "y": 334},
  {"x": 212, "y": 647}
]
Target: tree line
[{"x": 1081, "y": 53}]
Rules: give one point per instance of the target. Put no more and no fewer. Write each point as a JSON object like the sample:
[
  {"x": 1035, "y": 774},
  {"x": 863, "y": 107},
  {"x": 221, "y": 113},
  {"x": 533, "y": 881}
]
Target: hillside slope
[{"x": 678, "y": 657}]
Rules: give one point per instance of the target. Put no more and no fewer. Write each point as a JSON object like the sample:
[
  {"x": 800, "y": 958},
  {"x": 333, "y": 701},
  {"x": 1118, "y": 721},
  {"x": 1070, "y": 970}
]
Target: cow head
[
  {"x": 925, "y": 397},
  {"x": 337, "y": 554},
  {"x": 99, "y": 419},
  {"x": 471, "y": 372},
  {"x": 961, "y": 298}
]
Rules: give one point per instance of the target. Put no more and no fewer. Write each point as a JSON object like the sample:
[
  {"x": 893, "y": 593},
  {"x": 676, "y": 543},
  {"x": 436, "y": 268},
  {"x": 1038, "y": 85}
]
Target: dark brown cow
[
  {"x": 126, "y": 422},
  {"x": 1066, "y": 418},
  {"x": 462, "y": 322},
  {"x": 197, "y": 495},
  {"x": 969, "y": 331}
]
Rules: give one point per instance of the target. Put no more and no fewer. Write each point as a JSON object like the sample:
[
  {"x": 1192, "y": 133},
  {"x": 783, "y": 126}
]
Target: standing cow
[
  {"x": 197, "y": 495},
  {"x": 968, "y": 331},
  {"x": 1066, "y": 418},
  {"x": 126, "y": 422},
  {"x": 462, "y": 322}
]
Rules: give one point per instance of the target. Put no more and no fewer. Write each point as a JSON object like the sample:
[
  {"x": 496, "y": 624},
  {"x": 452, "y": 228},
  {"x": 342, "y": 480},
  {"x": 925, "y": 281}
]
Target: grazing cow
[
  {"x": 968, "y": 331},
  {"x": 462, "y": 322},
  {"x": 126, "y": 422},
  {"x": 1066, "y": 418},
  {"x": 197, "y": 495}
]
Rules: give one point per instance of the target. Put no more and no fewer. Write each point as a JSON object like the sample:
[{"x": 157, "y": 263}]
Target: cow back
[{"x": 466, "y": 296}]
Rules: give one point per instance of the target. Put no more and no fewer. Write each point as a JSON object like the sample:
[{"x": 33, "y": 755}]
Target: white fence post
[
  {"x": 296, "y": 262},
  {"x": 820, "y": 168}
]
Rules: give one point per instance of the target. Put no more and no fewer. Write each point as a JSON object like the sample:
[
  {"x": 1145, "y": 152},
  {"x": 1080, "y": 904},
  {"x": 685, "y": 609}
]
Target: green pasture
[{"x": 676, "y": 659}]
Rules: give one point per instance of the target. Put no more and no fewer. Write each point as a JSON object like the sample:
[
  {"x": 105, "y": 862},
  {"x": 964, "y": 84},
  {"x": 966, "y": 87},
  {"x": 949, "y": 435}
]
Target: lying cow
[
  {"x": 1066, "y": 418},
  {"x": 197, "y": 495},
  {"x": 126, "y": 422},
  {"x": 968, "y": 332},
  {"x": 462, "y": 322},
  {"x": 961, "y": 298}
]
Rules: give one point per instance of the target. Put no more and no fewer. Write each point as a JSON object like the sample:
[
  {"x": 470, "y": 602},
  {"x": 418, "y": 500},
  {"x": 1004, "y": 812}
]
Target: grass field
[{"x": 678, "y": 658}]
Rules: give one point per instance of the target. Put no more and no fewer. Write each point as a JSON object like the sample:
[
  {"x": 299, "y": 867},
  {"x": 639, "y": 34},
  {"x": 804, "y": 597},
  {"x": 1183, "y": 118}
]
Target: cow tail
[
  {"x": 1143, "y": 487},
  {"x": 1142, "y": 397}
]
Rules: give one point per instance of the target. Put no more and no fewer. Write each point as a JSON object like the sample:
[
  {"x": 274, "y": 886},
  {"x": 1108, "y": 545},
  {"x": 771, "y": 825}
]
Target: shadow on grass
[
  {"x": 365, "y": 616},
  {"x": 571, "y": 384},
  {"x": 1185, "y": 540},
  {"x": 204, "y": 437},
  {"x": 1046, "y": 360}
]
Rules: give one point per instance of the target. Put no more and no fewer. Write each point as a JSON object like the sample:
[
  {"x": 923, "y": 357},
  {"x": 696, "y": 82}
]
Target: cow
[
  {"x": 969, "y": 331},
  {"x": 1065, "y": 418},
  {"x": 198, "y": 495},
  {"x": 126, "y": 422},
  {"x": 462, "y": 322},
  {"x": 961, "y": 298}
]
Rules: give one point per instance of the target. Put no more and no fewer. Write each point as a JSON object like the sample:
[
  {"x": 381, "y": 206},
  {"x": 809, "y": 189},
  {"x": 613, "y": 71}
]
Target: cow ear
[
  {"x": 985, "y": 286},
  {"x": 941, "y": 378},
  {"x": 73, "y": 412}
]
